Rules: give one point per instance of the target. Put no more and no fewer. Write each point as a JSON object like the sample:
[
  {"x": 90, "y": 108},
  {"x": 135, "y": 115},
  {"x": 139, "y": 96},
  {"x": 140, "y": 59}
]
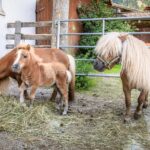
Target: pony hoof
[
  {"x": 145, "y": 105},
  {"x": 23, "y": 104},
  {"x": 26, "y": 96},
  {"x": 127, "y": 119},
  {"x": 52, "y": 99},
  {"x": 64, "y": 113},
  {"x": 137, "y": 116}
]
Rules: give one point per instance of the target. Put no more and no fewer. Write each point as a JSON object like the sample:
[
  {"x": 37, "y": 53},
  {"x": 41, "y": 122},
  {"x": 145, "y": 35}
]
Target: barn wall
[
  {"x": 144, "y": 27},
  {"x": 75, "y": 27},
  {"x": 44, "y": 11},
  {"x": 23, "y": 10}
]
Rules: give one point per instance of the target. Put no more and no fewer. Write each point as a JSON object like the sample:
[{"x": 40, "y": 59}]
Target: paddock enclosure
[
  {"x": 94, "y": 121},
  {"x": 59, "y": 39}
]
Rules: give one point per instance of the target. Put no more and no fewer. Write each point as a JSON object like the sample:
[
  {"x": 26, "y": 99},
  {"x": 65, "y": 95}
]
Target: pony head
[
  {"x": 108, "y": 50},
  {"x": 22, "y": 57}
]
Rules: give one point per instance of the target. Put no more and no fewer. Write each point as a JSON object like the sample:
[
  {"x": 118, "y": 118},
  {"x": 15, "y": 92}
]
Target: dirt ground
[{"x": 94, "y": 122}]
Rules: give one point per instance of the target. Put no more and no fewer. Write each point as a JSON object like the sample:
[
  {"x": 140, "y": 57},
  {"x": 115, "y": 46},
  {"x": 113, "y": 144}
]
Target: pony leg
[
  {"x": 146, "y": 100},
  {"x": 22, "y": 88},
  {"x": 141, "y": 100},
  {"x": 32, "y": 95},
  {"x": 64, "y": 92},
  {"x": 65, "y": 98},
  {"x": 54, "y": 94},
  {"x": 127, "y": 94},
  {"x": 19, "y": 84}
]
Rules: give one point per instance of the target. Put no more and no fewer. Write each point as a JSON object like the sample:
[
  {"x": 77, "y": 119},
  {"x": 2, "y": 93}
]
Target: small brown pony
[
  {"x": 134, "y": 56},
  {"x": 46, "y": 55},
  {"x": 34, "y": 73}
]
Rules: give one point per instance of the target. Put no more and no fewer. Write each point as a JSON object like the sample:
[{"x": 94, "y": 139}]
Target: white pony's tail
[
  {"x": 69, "y": 76},
  {"x": 72, "y": 70}
]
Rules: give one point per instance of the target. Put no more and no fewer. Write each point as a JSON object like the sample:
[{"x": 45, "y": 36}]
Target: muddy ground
[{"x": 94, "y": 122}]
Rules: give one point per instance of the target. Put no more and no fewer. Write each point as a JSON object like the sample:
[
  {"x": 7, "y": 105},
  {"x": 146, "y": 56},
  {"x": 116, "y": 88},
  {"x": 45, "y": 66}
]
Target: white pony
[{"x": 134, "y": 56}]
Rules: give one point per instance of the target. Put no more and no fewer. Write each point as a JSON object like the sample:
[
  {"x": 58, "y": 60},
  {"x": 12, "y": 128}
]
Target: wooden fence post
[
  {"x": 60, "y": 12},
  {"x": 17, "y": 33}
]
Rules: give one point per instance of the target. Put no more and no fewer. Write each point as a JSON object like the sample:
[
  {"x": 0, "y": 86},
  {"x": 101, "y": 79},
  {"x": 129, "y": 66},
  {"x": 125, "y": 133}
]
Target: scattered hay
[
  {"x": 95, "y": 121},
  {"x": 39, "y": 120}
]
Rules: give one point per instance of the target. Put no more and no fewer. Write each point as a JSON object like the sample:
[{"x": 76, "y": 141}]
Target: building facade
[{"x": 10, "y": 11}]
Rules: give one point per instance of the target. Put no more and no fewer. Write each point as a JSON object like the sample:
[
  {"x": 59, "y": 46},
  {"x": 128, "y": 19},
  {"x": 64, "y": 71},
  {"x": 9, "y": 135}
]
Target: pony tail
[
  {"x": 72, "y": 70},
  {"x": 69, "y": 76},
  {"x": 4, "y": 85}
]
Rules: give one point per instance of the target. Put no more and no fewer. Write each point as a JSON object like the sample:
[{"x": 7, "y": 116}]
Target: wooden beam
[
  {"x": 10, "y": 36},
  {"x": 31, "y": 24},
  {"x": 36, "y": 36},
  {"x": 30, "y": 36},
  {"x": 11, "y": 46}
]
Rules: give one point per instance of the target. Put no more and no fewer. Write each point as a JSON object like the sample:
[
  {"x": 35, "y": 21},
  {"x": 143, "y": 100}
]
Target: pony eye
[{"x": 24, "y": 56}]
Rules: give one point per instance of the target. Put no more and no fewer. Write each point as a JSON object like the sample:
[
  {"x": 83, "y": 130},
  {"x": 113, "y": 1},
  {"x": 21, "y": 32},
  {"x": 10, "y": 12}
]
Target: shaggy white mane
[
  {"x": 109, "y": 44},
  {"x": 135, "y": 57}
]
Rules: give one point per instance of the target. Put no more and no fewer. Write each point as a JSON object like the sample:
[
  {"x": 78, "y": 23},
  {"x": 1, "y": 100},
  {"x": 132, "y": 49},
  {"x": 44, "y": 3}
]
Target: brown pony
[
  {"x": 46, "y": 55},
  {"x": 134, "y": 56},
  {"x": 35, "y": 73}
]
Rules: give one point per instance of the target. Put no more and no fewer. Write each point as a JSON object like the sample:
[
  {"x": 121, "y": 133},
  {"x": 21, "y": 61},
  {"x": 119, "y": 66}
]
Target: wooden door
[{"x": 44, "y": 13}]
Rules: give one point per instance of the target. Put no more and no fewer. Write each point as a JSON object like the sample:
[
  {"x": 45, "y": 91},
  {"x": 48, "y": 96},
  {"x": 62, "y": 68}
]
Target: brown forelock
[{"x": 23, "y": 46}]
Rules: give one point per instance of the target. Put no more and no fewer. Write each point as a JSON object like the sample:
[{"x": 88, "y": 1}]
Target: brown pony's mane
[
  {"x": 32, "y": 51},
  {"x": 5, "y": 63}
]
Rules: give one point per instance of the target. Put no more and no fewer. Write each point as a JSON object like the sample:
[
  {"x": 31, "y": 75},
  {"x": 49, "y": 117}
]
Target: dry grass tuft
[
  {"x": 39, "y": 120},
  {"x": 95, "y": 121}
]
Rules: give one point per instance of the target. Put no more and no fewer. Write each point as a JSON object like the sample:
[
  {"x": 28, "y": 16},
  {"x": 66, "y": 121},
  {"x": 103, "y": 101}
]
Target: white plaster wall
[{"x": 22, "y": 10}]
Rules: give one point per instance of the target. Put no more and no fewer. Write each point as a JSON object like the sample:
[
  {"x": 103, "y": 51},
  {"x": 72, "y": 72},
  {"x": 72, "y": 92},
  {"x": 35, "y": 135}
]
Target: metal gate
[
  {"x": 103, "y": 20},
  {"x": 18, "y": 36}
]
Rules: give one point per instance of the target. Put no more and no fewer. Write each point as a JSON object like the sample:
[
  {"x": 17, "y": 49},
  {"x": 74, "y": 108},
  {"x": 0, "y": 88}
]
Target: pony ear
[
  {"x": 123, "y": 37},
  {"x": 28, "y": 47}
]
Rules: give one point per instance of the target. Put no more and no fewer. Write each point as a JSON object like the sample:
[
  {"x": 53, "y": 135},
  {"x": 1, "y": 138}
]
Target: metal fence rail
[
  {"x": 103, "y": 20},
  {"x": 19, "y": 36},
  {"x": 147, "y": 18}
]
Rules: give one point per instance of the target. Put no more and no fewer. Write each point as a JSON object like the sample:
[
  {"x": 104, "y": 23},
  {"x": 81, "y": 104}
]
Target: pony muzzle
[
  {"x": 98, "y": 65},
  {"x": 15, "y": 68}
]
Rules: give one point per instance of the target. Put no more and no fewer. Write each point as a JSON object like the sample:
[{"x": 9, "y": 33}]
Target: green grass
[
  {"x": 115, "y": 69},
  {"x": 87, "y": 83}
]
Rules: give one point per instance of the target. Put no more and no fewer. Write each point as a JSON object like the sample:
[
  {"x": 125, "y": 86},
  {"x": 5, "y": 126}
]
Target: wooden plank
[
  {"x": 31, "y": 24},
  {"x": 11, "y": 46},
  {"x": 30, "y": 36},
  {"x": 36, "y": 36},
  {"x": 10, "y": 36}
]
